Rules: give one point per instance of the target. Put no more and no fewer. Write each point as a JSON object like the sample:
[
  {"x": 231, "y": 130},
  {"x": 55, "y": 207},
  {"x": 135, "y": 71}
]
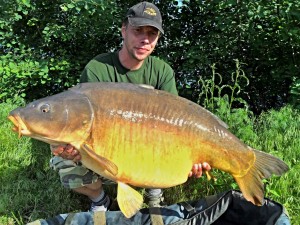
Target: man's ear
[{"x": 123, "y": 30}]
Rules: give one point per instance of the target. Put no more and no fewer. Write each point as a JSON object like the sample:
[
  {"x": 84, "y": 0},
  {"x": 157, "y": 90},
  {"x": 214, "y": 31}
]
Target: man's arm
[{"x": 66, "y": 152}]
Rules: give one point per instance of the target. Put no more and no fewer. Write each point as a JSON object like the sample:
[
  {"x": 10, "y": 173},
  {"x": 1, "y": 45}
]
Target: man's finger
[
  {"x": 198, "y": 174},
  {"x": 69, "y": 148},
  {"x": 74, "y": 152},
  {"x": 206, "y": 166},
  {"x": 58, "y": 151},
  {"x": 77, "y": 158}
]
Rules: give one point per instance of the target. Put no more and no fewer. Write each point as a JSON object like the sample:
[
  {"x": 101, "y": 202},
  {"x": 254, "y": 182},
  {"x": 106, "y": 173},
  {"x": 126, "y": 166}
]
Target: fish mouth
[
  {"x": 19, "y": 126},
  {"x": 22, "y": 130}
]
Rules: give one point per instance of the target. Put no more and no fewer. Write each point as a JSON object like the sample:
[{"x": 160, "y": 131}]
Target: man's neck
[{"x": 128, "y": 62}]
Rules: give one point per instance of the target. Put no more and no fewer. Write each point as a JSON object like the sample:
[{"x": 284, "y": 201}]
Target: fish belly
[{"x": 145, "y": 157}]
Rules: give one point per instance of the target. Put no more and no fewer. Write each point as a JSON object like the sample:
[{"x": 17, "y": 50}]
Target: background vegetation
[
  {"x": 44, "y": 45},
  {"x": 239, "y": 59}
]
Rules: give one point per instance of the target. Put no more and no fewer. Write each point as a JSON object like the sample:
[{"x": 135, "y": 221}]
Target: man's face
[{"x": 139, "y": 41}]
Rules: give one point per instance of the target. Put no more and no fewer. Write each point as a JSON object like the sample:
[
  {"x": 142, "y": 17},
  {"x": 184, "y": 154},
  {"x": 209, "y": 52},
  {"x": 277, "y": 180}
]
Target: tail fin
[{"x": 251, "y": 184}]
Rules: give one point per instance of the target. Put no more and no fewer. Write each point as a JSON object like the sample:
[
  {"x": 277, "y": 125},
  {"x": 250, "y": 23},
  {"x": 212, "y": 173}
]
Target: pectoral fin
[
  {"x": 129, "y": 200},
  {"x": 105, "y": 163}
]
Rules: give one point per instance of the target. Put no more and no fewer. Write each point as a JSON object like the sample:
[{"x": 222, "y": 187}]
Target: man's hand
[
  {"x": 198, "y": 169},
  {"x": 66, "y": 152}
]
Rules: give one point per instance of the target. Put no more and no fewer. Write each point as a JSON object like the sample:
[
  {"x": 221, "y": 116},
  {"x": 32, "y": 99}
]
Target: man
[{"x": 133, "y": 64}]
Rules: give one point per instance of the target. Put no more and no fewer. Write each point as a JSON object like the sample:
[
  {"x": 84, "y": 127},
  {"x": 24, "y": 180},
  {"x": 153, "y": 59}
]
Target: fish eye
[{"x": 45, "y": 108}]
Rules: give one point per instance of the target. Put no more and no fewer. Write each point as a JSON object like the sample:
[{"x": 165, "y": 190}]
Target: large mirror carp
[{"x": 139, "y": 136}]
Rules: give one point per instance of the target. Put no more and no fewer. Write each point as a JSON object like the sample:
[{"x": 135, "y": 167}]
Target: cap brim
[{"x": 139, "y": 22}]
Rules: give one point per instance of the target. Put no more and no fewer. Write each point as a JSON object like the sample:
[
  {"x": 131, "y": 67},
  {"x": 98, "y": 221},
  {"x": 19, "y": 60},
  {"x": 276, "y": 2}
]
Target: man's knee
[{"x": 73, "y": 175}]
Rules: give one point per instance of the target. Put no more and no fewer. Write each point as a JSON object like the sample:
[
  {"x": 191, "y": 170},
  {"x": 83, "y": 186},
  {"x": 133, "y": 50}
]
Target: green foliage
[
  {"x": 261, "y": 34},
  {"x": 45, "y": 44},
  {"x": 295, "y": 92},
  {"x": 211, "y": 88},
  {"x": 6, "y": 220},
  {"x": 45, "y": 47},
  {"x": 279, "y": 134},
  {"x": 224, "y": 100}
]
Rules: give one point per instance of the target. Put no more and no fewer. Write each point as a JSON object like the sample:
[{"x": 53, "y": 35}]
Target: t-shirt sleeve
[
  {"x": 88, "y": 76},
  {"x": 167, "y": 81},
  {"x": 99, "y": 69}
]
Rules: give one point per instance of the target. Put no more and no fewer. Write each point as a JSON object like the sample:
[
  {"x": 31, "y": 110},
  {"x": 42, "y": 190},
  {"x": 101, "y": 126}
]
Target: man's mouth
[{"x": 142, "y": 49}]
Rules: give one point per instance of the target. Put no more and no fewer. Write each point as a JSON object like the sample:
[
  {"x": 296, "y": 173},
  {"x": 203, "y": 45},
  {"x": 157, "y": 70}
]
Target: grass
[
  {"x": 30, "y": 190},
  {"x": 279, "y": 134}
]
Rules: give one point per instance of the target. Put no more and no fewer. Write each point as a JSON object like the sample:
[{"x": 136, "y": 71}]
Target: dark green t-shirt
[{"x": 108, "y": 68}]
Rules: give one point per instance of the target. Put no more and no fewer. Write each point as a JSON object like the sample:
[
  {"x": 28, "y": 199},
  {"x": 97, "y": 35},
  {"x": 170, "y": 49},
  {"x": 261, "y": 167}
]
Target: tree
[{"x": 46, "y": 44}]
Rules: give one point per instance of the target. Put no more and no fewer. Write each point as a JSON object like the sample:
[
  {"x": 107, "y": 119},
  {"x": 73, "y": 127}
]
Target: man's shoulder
[
  {"x": 156, "y": 59},
  {"x": 102, "y": 60},
  {"x": 104, "y": 57},
  {"x": 100, "y": 68}
]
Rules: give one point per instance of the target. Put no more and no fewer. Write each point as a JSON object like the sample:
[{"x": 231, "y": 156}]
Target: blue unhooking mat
[{"x": 228, "y": 208}]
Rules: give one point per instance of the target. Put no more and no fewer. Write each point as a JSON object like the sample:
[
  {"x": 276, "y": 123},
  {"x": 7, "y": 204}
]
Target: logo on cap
[{"x": 150, "y": 11}]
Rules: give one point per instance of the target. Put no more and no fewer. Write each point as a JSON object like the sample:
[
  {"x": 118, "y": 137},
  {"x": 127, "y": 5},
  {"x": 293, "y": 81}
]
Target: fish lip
[{"x": 19, "y": 126}]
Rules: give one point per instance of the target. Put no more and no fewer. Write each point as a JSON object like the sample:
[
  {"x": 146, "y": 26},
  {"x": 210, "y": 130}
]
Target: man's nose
[{"x": 145, "y": 38}]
